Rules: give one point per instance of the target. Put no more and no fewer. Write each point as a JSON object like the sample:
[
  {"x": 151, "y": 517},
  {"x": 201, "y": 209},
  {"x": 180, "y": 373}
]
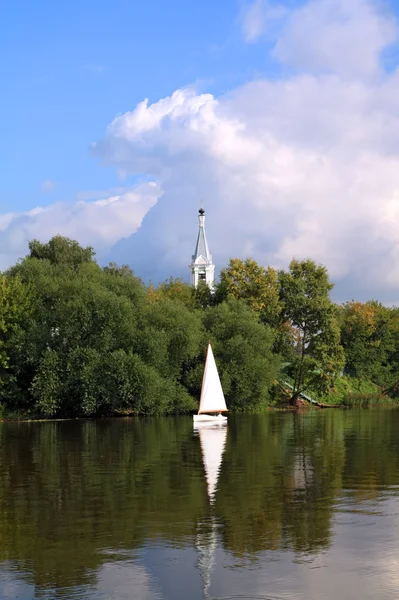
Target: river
[{"x": 279, "y": 506}]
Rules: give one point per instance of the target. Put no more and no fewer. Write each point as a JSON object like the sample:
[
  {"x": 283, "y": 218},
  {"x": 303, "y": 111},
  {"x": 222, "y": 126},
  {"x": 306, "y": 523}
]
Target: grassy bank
[
  {"x": 352, "y": 392},
  {"x": 348, "y": 392},
  {"x": 368, "y": 400}
]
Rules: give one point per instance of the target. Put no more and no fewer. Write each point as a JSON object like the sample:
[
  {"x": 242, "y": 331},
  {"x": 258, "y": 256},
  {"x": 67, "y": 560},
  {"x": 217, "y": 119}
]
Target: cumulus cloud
[
  {"x": 302, "y": 166},
  {"x": 345, "y": 36},
  {"x": 341, "y": 36},
  {"x": 305, "y": 165},
  {"x": 99, "y": 223}
]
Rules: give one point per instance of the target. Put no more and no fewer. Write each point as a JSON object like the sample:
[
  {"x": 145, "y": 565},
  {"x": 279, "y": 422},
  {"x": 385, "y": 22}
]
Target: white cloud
[
  {"x": 48, "y": 186},
  {"x": 253, "y": 21},
  {"x": 344, "y": 36},
  {"x": 304, "y": 165},
  {"x": 341, "y": 36},
  {"x": 307, "y": 165},
  {"x": 261, "y": 17},
  {"x": 99, "y": 223}
]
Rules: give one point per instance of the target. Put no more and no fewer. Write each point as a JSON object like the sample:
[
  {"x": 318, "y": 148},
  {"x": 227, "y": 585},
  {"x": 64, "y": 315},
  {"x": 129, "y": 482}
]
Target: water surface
[{"x": 303, "y": 506}]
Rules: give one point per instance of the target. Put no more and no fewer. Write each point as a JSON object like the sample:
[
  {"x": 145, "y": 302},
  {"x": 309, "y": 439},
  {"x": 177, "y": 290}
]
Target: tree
[
  {"x": 174, "y": 289},
  {"x": 61, "y": 251},
  {"x": 361, "y": 338},
  {"x": 95, "y": 345},
  {"x": 370, "y": 337},
  {"x": 203, "y": 295},
  {"x": 179, "y": 290},
  {"x": 171, "y": 337},
  {"x": 15, "y": 305},
  {"x": 103, "y": 383},
  {"x": 256, "y": 285},
  {"x": 243, "y": 352},
  {"x": 318, "y": 355}
]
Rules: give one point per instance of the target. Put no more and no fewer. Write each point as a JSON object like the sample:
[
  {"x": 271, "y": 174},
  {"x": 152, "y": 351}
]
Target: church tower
[{"x": 201, "y": 266}]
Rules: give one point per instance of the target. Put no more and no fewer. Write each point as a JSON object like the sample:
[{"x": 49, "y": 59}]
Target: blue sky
[
  {"x": 280, "y": 112},
  {"x": 71, "y": 67}
]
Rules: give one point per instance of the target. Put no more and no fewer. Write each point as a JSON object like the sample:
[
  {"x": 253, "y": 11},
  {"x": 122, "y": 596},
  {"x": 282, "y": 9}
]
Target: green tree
[
  {"x": 370, "y": 337},
  {"x": 171, "y": 337},
  {"x": 61, "y": 251},
  {"x": 177, "y": 289},
  {"x": 15, "y": 306},
  {"x": 174, "y": 289},
  {"x": 96, "y": 345},
  {"x": 243, "y": 352},
  {"x": 256, "y": 285},
  {"x": 203, "y": 295},
  {"x": 318, "y": 355}
]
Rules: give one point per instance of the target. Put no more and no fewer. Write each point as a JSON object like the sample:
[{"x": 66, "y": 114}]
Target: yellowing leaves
[
  {"x": 174, "y": 289},
  {"x": 253, "y": 283},
  {"x": 361, "y": 315}
]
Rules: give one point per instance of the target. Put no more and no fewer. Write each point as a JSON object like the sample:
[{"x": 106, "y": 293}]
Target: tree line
[{"x": 77, "y": 339}]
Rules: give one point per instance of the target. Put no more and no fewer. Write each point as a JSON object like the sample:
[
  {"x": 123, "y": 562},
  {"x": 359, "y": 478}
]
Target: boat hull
[{"x": 209, "y": 419}]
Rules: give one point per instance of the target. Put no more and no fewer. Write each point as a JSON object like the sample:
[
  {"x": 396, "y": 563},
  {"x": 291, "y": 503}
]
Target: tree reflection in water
[{"x": 76, "y": 496}]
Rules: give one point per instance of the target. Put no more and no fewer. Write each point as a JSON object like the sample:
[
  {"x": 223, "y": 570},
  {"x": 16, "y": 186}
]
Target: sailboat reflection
[{"x": 213, "y": 441}]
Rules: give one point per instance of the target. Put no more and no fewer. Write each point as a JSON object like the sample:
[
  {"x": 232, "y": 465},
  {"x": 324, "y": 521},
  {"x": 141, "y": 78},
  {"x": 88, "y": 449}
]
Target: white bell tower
[{"x": 201, "y": 266}]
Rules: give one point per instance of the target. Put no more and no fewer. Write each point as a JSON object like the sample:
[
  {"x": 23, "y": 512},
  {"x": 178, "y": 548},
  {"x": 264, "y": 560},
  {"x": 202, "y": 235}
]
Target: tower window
[{"x": 202, "y": 276}]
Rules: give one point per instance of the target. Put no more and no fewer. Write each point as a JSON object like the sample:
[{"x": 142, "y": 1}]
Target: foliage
[
  {"x": 174, "y": 289},
  {"x": 370, "y": 337},
  {"x": 172, "y": 336},
  {"x": 80, "y": 340},
  {"x": 177, "y": 289},
  {"x": 318, "y": 356},
  {"x": 94, "y": 344},
  {"x": 256, "y": 285},
  {"x": 243, "y": 351},
  {"x": 61, "y": 251},
  {"x": 203, "y": 295},
  {"x": 15, "y": 306}
]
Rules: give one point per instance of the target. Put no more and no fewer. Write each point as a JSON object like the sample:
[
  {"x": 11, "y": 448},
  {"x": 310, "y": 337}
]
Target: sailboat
[{"x": 212, "y": 398}]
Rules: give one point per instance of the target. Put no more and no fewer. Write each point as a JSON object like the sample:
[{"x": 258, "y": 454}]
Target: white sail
[
  {"x": 212, "y": 397},
  {"x": 213, "y": 441}
]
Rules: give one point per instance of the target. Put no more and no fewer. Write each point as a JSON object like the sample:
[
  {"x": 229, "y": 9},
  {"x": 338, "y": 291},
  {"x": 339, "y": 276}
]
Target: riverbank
[
  {"x": 362, "y": 402},
  {"x": 347, "y": 392}
]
